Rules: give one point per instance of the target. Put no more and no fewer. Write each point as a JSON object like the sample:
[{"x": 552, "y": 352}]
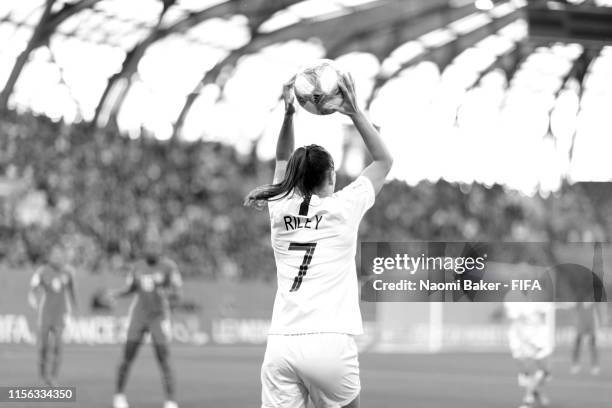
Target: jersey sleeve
[{"x": 358, "y": 197}]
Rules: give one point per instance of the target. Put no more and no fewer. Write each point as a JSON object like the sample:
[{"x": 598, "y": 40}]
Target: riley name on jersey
[{"x": 295, "y": 223}]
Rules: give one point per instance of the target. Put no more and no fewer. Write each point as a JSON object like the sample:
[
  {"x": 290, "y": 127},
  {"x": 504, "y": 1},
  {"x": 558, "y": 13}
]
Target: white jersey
[
  {"x": 531, "y": 332},
  {"x": 315, "y": 261}
]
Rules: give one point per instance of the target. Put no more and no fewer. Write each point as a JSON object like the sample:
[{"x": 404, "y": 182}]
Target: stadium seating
[{"x": 100, "y": 194}]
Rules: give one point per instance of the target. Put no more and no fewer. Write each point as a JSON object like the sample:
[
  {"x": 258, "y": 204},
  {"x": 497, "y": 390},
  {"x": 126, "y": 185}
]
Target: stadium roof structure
[
  {"x": 226, "y": 29},
  {"x": 190, "y": 68}
]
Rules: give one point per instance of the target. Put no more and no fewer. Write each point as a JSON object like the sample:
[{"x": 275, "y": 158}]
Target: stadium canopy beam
[
  {"x": 381, "y": 40},
  {"x": 445, "y": 54},
  {"x": 49, "y": 22},
  {"x": 330, "y": 30},
  {"x": 256, "y": 11}
]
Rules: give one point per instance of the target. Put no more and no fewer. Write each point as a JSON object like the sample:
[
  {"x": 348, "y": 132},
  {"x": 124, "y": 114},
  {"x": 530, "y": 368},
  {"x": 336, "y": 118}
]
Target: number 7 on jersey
[{"x": 309, "y": 248}]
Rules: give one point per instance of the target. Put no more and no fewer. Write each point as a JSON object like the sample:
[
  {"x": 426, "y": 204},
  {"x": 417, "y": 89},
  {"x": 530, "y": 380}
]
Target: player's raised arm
[
  {"x": 286, "y": 143},
  {"x": 382, "y": 160},
  {"x": 284, "y": 180}
]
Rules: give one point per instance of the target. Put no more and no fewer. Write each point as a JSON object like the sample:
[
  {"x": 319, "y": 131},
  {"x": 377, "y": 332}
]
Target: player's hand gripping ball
[{"x": 317, "y": 87}]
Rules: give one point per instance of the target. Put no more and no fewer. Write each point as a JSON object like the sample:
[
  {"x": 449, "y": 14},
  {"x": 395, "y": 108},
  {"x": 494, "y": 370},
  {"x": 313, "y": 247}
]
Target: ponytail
[{"x": 306, "y": 171}]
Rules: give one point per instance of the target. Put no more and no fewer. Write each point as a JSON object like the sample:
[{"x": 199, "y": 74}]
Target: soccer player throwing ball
[
  {"x": 311, "y": 352},
  {"x": 53, "y": 283},
  {"x": 153, "y": 281}
]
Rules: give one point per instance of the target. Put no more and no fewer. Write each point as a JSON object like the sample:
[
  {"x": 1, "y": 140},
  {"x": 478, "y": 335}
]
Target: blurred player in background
[
  {"x": 311, "y": 353},
  {"x": 154, "y": 281},
  {"x": 51, "y": 286},
  {"x": 531, "y": 340},
  {"x": 587, "y": 318}
]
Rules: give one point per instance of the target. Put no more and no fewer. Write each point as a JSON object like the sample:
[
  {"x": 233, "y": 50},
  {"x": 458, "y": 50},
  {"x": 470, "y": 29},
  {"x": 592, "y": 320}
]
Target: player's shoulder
[
  {"x": 356, "y": 198},
  {"x": 360, "y": 186}
]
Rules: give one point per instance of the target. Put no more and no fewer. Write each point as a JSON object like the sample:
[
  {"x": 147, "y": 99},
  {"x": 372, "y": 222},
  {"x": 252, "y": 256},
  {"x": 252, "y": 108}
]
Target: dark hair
[{"x": 307, "y": 169}]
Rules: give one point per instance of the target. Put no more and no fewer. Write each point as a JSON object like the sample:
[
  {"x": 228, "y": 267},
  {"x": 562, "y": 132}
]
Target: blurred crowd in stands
[{"x": 99, "y": 195}]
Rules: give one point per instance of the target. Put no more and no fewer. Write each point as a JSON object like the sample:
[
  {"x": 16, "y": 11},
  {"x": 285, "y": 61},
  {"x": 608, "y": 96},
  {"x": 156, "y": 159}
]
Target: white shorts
[{"x": 321, "y": 366}]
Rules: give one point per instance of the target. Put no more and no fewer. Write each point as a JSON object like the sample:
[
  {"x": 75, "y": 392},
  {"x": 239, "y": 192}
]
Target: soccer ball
[{"x": 316, "y": 87}]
